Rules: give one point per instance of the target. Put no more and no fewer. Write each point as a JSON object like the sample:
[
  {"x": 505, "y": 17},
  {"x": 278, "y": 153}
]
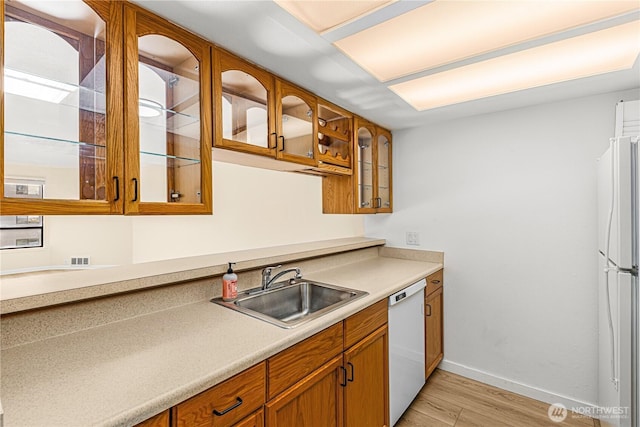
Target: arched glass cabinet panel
[
  {"x": 244, "y": 114},
  {"x": 296, "y": 125},
  {"x": 168, "y": 117},
  {"x": 245, "y": 96},
  {"x": 60, "y": 118}
]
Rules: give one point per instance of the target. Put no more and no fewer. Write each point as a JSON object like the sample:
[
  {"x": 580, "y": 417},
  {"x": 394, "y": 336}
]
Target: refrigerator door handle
[{"x": 631, "y": 271}]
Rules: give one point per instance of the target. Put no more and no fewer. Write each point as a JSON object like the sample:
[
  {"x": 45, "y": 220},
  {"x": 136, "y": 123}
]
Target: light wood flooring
[{"x": 451, "y": 400}]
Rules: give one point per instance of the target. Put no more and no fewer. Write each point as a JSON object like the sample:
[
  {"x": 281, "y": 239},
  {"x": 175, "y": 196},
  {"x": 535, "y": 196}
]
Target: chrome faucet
[{"x": 267, "y": 280}]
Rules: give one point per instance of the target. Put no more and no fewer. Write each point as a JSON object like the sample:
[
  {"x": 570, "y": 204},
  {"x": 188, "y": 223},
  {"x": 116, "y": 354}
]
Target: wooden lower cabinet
[
  {"x": 433, "y": 322},
  {"x": 160, "y": 420},
  {"x": 337, "y": 377},
  {"x": 254, "y": 420},
  {"x": 315, "y": 401},
  {"x": 366, "y": 401},
  {"x": 225, "y": 404},
  {"x": 351, "y": 389}
]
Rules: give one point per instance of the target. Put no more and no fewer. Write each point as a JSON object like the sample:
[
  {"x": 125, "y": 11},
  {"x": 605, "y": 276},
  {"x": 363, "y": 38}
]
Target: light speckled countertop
[
  {"x": 24, "y": 292},
  {"x": 125, "y": 372}
]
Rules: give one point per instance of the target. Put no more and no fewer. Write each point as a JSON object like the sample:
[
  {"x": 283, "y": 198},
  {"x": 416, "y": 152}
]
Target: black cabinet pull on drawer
[{"x": 229, "y": 409}]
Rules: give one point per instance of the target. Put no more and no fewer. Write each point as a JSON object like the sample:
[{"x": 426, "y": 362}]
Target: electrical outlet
[{"x": 413, "y": 238}]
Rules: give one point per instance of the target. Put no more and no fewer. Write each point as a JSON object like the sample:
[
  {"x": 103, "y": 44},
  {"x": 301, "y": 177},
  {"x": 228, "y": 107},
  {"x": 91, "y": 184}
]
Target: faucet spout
[{"x": 267, "y": 280}]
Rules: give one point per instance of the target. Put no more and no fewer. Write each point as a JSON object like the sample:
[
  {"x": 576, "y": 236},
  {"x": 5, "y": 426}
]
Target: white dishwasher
[{"x": 406, "y": 347}]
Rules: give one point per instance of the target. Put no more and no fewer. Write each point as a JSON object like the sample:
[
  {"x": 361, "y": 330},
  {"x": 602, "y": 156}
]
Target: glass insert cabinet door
[
  {"x": 60, "y": 126},
  {"x": 364, "y": 150},
  {"x": 383, "y": 155},
  {"x": 245, "y": 107},
  {"x": 297, "y": 125},
  {"x": 168, "y": 116}
]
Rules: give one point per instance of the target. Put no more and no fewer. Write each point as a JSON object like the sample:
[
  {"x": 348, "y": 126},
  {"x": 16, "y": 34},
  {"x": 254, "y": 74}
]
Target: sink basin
[{"x": 290, "y": 304}]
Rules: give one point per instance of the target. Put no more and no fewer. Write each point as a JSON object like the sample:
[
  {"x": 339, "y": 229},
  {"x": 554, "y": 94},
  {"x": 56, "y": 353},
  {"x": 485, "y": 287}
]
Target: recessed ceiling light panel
[
  {"x": 446, "y": 31},
  {"x": 322, "y": 16},
  {"x": 609, "y": 50}
]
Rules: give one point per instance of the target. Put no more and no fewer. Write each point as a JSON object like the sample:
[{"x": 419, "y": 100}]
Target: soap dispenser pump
[{"x": 230, "y": 284}]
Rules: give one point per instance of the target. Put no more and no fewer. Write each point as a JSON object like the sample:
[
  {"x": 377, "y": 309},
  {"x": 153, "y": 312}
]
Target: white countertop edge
[{"x": 26, "y": 293}]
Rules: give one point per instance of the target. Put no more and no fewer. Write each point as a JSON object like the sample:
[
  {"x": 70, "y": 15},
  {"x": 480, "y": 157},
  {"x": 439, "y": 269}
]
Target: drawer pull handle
[
  {"x": 435, "y": 282},
  {"x": 352, "y": 371},
  {"x": 229, "y": 409},
  {"x": 429, "y": 313}
]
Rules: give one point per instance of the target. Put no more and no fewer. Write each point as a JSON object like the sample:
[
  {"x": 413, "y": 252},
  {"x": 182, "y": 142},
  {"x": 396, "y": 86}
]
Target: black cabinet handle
[
  {"x": 282, "y": 138},
  {"x": 352, "y": 371},
  {"x": 135, "y": 189},
  {"x": 276, "y": 138},
  {"x": 344, "y": 376},
  {"x": 229, "y": 409},
  {"x": 429, "y": 313},
  {"x": 117, "y": 183},
  {"x": 435, "y": 282}
]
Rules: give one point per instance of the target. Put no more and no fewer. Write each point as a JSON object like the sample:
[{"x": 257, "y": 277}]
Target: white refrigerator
[{"x": 618, "y": 236}]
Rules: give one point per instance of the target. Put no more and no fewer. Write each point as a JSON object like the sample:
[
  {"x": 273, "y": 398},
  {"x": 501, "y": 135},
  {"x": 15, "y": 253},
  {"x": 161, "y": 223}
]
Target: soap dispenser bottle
[{"x": 230, "y": 284}]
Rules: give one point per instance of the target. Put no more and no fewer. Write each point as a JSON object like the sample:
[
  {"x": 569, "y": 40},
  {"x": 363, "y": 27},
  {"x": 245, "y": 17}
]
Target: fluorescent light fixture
[
  {"x": 322, "y": 16},
  {"x": 446, "y": 31},
  {"x": 604, "y": 51},
  {"x": 36, "y": 87},
  {"x": 148, "y": 108}
]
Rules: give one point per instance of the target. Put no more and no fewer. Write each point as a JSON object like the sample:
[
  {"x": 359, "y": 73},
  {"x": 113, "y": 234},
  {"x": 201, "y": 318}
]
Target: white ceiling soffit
[
  {"x": 447, "y": 31},
  {"x": 322, "y": 16}
]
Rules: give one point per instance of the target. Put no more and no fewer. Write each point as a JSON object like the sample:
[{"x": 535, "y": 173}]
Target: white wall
[
  {"x": 252, "y": 208},
  {"x": 510, "y": 198}
]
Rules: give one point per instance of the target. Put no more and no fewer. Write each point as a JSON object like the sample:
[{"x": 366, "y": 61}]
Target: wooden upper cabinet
[
  {"x": 365, "y": 150},
  {"x": 370, "y": 189},
  {"x": 245, "y": 102},
  {"x": 372, "y": 182},
  {"x": 383, "y": 200},
  {"x": 335, "y": 134},
  {"x": 168, "y": 119},
  {"x": 61, "y": 147},
  {"x": 296, "y": 124}
]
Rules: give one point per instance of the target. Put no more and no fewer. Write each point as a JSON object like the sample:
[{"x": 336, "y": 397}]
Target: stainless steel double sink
[{"x": 289, "y": 304}]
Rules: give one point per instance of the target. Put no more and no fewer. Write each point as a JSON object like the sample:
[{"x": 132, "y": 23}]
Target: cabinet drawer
[
  {"x": 290, "y": 365},
  {"x": 245, "y": 391},
  {"x": 434, "y": 282},
  {"x": 363, "y": 323}
]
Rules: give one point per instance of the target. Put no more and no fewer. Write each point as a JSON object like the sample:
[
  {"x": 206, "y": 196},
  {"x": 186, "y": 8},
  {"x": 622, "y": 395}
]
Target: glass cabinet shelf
[
  {"x": 44, "y": 141},
  {"x": 181, "y": 161}
]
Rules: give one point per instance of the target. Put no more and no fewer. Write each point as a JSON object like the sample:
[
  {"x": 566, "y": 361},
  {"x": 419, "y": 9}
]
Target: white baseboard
[{"x": 512, "y": 386}]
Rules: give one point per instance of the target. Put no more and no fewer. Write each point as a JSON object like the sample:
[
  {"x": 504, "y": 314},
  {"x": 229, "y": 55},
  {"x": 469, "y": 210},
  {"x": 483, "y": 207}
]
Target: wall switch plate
[{"x": 413, "y": 238}]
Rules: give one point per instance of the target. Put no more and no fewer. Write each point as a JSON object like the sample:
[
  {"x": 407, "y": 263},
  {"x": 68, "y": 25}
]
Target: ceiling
[{"x": 267, "y": 34}]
